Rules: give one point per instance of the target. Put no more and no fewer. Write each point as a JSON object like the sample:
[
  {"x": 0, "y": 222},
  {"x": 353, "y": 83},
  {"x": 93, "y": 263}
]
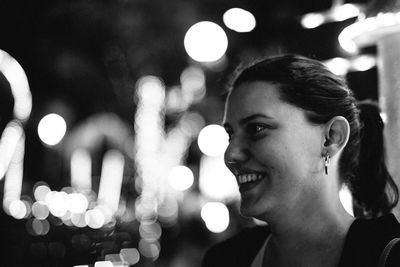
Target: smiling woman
[{"x": 294, "y": 140}]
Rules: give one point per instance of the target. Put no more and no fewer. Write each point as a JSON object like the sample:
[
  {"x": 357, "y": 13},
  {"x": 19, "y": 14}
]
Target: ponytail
[{"x": 373, "y": 187}]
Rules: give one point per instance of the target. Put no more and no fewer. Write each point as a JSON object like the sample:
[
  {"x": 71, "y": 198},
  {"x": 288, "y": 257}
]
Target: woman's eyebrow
[
  {"x": 245, "y": 120},
  {"x": 253, "y": 117}
]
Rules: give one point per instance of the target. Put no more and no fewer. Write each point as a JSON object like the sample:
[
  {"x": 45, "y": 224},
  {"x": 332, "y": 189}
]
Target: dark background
[{"x": 83, "y": 57}]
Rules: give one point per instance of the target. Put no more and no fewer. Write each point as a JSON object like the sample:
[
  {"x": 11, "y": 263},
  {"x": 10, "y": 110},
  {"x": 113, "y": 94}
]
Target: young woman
[{"x": 295, "y": 139}]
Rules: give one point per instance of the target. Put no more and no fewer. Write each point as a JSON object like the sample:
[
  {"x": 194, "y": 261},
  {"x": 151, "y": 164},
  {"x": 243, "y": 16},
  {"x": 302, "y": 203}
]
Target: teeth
[{"x": 250, "y": 177}]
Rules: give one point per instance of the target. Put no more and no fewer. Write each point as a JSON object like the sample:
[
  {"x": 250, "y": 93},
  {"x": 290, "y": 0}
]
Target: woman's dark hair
[{"x": 309, "y": 85}]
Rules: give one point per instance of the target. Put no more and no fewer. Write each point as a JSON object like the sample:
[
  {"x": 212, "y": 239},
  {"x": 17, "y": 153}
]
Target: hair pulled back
[{"x": 309, "y": 85}]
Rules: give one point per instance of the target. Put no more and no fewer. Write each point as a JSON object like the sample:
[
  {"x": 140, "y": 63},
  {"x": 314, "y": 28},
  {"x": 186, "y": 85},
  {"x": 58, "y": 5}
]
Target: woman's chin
[{"x": 248, "y": 210}]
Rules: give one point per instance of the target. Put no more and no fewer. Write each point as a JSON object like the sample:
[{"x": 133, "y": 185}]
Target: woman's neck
[{"x": 308, "y": 237}]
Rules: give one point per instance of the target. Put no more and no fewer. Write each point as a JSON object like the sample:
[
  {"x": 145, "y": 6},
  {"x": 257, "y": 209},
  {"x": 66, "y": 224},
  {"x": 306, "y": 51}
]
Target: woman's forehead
[
  {"x": 258, "y": 98},
  {"x": 253, "y": 95}
]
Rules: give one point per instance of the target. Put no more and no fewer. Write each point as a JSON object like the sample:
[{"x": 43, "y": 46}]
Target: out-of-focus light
[
  {"x": 76, "y": 203},
  {"x": 81, "y": 265},
  {"x": 341, "y": 66},
  {"x": 40, "y": 210},
  {"x": 40, "y": 192},
  {"x": 94, "y": 218},
  {"x": 40, "y": 227},
  {"x": 337, "y": 12},
  {"x": 346, "y": 199},
  {"x": 384, "y": 117},
  {"x": 192, "y": 123},
  {"x": 16, "y": 76},
  {"x": 10, "y": 139},
  {"x": 130, "y": 255},
  {"x": 338, "y": 65},
  {"x": 146, "y": 208},
  {"x": 103, "y": 264},
  {"x": 17, "y": 209},
  {"x": 151, "y": 90},
  {"x": 206, "y": 41},
  {"x": 111, "y": 179},
  {"x": 216, "y": 181},
  {"x": 239, "y": 20},
  {"x": 149, "y": 249},
  {"x": 213, "y": 140},
  {"x": 367, "y": 31},
  {"x": 180, "y": 178},
  {"x": 81, "y": 170},
  {"x": 107, "y": 213},
  {"x": 346, "y": 41},
  {"x": 51, "y": 129},
  {"x": 216, "y": 216},
  {"x": 363, "y": 63},
  {"x": 78, "y": 219},
  {"x": 115, "y": 259},
  {"x": 312, "y": 20},
  {"x": 14, "y": 175},
  {"x": 193, "y": 82},
  {"x": 168, "y": 211},
  {"x": 56, "y": 201},
  {"x": 346, "y": 11},
  {"x": 150, "y": 231}
]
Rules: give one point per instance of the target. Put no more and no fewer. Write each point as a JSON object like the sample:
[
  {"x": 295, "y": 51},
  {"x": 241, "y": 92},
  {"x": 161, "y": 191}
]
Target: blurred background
[{"x": 113, "y": 156}]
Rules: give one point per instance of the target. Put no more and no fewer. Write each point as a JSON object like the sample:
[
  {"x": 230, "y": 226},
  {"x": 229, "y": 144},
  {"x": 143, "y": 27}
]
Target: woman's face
[{"x": 274, "y": 151}]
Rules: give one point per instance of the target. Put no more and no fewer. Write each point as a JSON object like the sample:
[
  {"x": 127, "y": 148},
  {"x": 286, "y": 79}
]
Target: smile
[{"x": 249, "y": 177}]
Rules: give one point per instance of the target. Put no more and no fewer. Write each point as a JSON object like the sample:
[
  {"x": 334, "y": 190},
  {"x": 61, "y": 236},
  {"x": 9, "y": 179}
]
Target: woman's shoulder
[
  {"x": 238, "y": 250},
  {"x": 367, "y": 238}
]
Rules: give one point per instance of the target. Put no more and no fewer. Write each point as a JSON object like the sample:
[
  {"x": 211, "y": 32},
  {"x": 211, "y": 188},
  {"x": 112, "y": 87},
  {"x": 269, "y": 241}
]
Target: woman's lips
[{"x": 249, "y": 180}]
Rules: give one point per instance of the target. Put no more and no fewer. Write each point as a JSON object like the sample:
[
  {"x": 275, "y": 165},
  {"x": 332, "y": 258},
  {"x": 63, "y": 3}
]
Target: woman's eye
[{"x": 254, "y": 129}]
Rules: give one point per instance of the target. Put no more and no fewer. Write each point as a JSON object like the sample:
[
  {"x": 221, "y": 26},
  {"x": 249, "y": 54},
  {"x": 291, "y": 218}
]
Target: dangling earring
[{"x": 326, "y": 162}]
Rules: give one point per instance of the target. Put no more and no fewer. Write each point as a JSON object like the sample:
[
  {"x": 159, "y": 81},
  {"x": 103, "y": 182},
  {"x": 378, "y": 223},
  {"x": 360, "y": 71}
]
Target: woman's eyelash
[{"x": 256, "y": 128}]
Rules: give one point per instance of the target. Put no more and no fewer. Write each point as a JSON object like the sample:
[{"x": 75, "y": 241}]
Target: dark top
[{"x": 363, "y": 246}]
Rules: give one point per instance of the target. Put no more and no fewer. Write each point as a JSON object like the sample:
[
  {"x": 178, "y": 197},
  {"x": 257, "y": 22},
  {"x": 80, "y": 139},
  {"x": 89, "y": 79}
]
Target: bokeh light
[
  {"x": 168, "y": 211},
  {"x": 56, "y": 201},
  {"x": 346, "y": 199},
  {"x": 216, "y": 216},
  {"x": 103, "y": 264},
  {"x": 213, "y": 140},
  {"x": 193, "y": 83},
  {"x": 112, "y": 173},
  {"x": 115, "y": 259},
  {"x": 150, "y": 231},
  {"x": 312, "y": 20},
  {"x": 76, "y": 203},
  {"x": 78, "y": 219},
  {"x": 9, "y": 142},
  {"x": 216, "y": 181},
  {"x": 94, "y": 218},
  {"x": 130, "y": 255},
  {"x": 81, "y": 170},
  {"x": 16, "y": 76},
  {"x": 18, "y": 209},
  {"x": 40, "y": 210},
  {"x": 239, "y": 20},
  {"x": 338, "y": 66},
  {"x": 40, "y": 227},
  {"x": 51, "y": 129},
  {"x": 206, "y": 41},
  {"x": 41, "y": 191},
  {"x": 180, "y": 178},
  {"x": 364, "y": 62},
  {"x": 149, "y": 249}
]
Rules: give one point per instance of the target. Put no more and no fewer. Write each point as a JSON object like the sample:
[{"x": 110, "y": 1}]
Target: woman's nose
[{"x": 235, "y": 153}]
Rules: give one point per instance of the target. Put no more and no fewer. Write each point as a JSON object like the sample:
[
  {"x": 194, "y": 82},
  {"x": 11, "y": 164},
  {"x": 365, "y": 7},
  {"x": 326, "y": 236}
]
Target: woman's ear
[{"x": 337, "y": 131}]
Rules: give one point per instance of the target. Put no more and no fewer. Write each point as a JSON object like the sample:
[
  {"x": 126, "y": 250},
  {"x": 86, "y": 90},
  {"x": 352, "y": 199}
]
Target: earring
[{"x": 326, "y": 162}]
